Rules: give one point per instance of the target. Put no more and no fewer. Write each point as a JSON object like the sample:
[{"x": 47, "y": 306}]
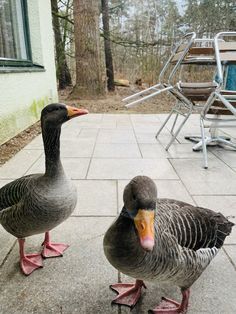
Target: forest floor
[{"x": 111, "y": 103}]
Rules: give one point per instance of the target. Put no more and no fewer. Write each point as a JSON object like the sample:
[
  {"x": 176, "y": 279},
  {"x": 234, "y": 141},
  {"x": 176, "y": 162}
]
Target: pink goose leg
[
  {"x": 168, "y": 306},
  {"x": 52, "y": 249},
  {"x": 128, "y": 294},
  {"x": 29, "y": 262}
]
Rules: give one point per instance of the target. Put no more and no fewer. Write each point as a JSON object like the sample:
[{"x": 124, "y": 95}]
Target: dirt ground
[{"x": 111, "y": 103}]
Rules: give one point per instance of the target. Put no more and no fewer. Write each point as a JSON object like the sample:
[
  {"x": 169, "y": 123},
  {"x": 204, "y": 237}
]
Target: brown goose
[
  {"x": 161, "y": 240},
  {"x": 37, "y": 203}
]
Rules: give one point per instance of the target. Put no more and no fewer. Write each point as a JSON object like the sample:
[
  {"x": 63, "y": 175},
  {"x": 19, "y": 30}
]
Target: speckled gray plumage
[
  {"x": 37, "y": 203},
  {"x": 186, "y": 240}
]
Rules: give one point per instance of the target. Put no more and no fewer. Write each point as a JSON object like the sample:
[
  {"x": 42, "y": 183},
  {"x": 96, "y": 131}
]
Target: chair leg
[
  {"x": 178, "y": 130},
  {"x": 163, "y": 125},
  {"x": 226, "y": 142},
  {"x": 173, "y": 126},
  {"x": 204, "y": 149}
]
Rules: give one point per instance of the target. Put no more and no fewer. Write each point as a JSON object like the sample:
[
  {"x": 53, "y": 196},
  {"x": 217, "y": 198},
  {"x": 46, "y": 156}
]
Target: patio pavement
[{"x": 101, "y": 153}]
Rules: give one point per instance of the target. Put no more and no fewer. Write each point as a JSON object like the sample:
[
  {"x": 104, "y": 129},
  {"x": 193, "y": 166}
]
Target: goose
[
  {"x": 162, "y": 240},
  {"x": 37, "y": 203}
]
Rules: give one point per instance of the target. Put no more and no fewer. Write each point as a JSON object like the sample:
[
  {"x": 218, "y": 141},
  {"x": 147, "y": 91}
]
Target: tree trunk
[
  {"x": 87, "y": 49},
  {"x": 107, "y": 46},
  {"x": 63, "y": 73}
]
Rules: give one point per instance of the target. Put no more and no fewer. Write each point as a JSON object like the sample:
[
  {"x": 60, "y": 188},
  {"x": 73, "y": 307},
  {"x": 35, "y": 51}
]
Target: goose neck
[{"x": 51, "y": 140}]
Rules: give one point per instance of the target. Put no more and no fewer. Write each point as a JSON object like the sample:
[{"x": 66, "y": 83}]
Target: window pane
[{"x": 12, "y": 35}]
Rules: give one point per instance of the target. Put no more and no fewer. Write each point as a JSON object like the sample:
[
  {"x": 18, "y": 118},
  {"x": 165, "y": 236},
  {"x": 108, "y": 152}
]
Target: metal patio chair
[
  {"x": 220, "y": 108},
  {"x": 167, "y": 74},
  {"x": 189, "y": 94}
]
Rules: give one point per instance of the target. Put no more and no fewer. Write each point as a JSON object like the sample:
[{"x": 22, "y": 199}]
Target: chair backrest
[
  {"x": 177, "y": 57},
  {"x": 207, "y": 52},
  {"x": 225, "y": 52},
  {"x": 200, "y": 52}
]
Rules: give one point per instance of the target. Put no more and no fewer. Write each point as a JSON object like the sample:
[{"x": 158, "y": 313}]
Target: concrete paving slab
[
  {"x": 185, "y": 151},
  {"x": 145, "y": 118},
  {"x": 231, "y": 252},
  {"x": 36, "y": 143},
  {"x": 148, "y": 127},
  {"x": 89, "y": 125},
  {"x": 147, "y": 137},
  {"x": 92, "y": 117},
  {"x": 192, "y": 120},
  {"x": 129, "y": 168},
  {"x": 224, "y": 204},
  {"x": 108, "y": 125},
  {"x": 165, "y": 189},
  {"x": 6, "y": 243},
  {"x": 19, "y": 164},
  {"x": 154, "y": 150},
  {"x": 124, "y": 122},
  {"x": 217, "y": 179},
  {"x": 76, "y": 148},
  {"x": 96, "y": 197},
  {"x": 70, "y": 130},
  {"x": 227, "y": 156},
  {"x": 214, "y": 292},
  {"x": 200, "y": 187},
  {"x": 116, "y": 136},
  {"x": 119, "y": 117},
  {"x": 110, "y": 117},
  {"x": 3, "y": 182},
  {"x": 75, "y": 168},
  {"x": 77, "y": 283},
  {"x": 88, "y": 134},
  {"x": 117, "y": 150}
]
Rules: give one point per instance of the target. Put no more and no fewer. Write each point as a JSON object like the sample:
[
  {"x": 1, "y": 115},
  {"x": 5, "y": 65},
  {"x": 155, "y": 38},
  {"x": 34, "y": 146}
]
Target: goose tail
[{"x": 224, "y": 229}]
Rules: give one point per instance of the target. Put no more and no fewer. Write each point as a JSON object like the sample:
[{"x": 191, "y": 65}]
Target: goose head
[
  {"x": 52, "y": 118},
  {"x": 140, "y": 197},
  {"x": 54, "y": 115}
]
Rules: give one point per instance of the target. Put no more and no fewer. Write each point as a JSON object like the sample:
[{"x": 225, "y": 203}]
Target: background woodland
[{"x": 99, "y": 41}]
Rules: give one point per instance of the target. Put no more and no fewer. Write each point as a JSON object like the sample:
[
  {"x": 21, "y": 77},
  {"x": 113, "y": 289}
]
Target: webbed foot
[
  {"x": 168, "y": 306},
  {"x": 31, "y": 262},
  {"x": 52, "y": 249},
  {"x": 128, "y": 294}
]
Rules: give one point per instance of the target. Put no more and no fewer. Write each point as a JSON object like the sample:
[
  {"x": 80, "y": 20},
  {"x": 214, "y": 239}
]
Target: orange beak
[
  {"x": 75, "y": 112},
  {"x": 144, "y": 223}
]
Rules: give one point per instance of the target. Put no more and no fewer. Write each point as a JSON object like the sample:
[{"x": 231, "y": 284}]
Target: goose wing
[
  {"x": 195, "y": 227},
  {"x": 11, "y": 193}
]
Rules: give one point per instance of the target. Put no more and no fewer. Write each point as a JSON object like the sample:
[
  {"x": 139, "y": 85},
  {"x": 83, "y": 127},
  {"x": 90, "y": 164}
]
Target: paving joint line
[
  {"x": 91, "y": 157},
  {"x": 24, "y": 174},
  {"x": 230, "y": 259},
  {"x": 135, "y": 135},
  {"x": 8, "y": 253},
  {"x": 194, "y": 202}
]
